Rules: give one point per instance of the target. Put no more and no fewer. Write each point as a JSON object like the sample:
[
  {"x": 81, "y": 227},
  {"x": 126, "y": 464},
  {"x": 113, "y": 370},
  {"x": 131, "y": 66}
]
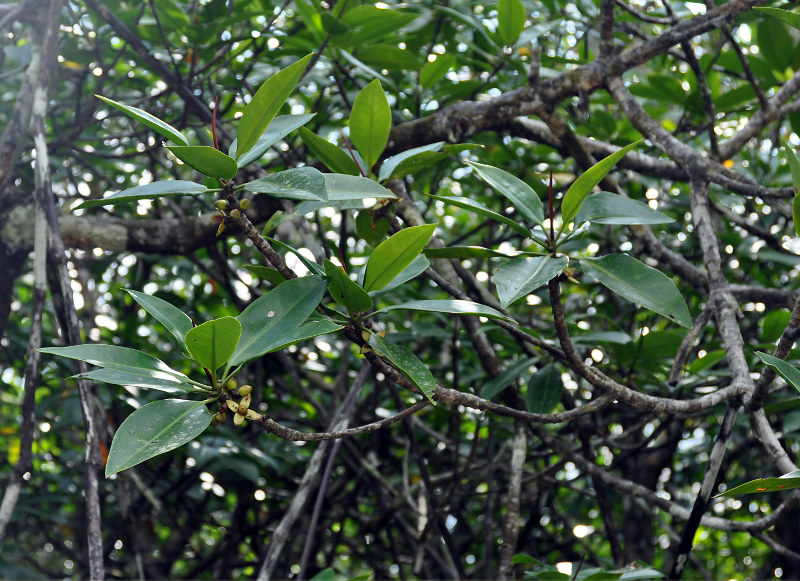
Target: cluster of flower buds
[
  {"x": 242, "y": 409},
  {"x": 233, "y": 213}
]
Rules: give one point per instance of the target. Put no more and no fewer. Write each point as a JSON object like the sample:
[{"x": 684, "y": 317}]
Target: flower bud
[
  {"x": 245, "y": 390},
  {"x": 221, "y": 205},
  {"x": 235, "y": 214},
  {"x": 244, "y": 204},
  {"x": 231, "y": 384}
]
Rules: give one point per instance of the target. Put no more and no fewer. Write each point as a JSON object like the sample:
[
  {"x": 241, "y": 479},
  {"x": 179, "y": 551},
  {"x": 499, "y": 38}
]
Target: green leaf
[
  {"x": 325, "y": 575},
  {"x": 794, "y": 163},
  {"x": 331, "y": 155},
  {"x": 393, "y": 255},
  {"x": 435, "y": 70},
  {"x": 785, "y": 482},
  {"x": 773, "y": 324},
  {"x": 583, "y": 186},
  {"x": 302, "y": 183},
  {"x": 269, "y": 318},
  {"x": 413, "y": 270},
  {"x": 309, "y": 329},
  {"x": 408, "y": 363},
  {"x": 212, "y": 162},
  {"x": 147, "y": 192},
  {"x": 505, "y": 378},
  {"x": 521, "y": 276},
  {"x": 452, "y": 306},
  {"x": 478, "y": 208},
  {"x": 775, "y": 42},
  {"x": 344, "y": 290},
  {"x": 266, "y": 103},
  {"x": 212, "y": 343},
  {"x": 796, "y": 213},
  {"x": 465, "y": 252},
  {"x": 790, "y": 18},
  {"x": 786, "y": 370},
  {"x": 370, "y": 122},
  {"x": 343, "y": 188},
  {"x": 389, "y": 56},
  {"x": 162, "y": 128},
  {"x": 371, "y": 22},
  {"x": 510, "y": 20},
  {"x": 154, "y": 429},
  {"x": 174, "y": 320},
  {"x": 641, "y": 284},
  {"x": 168, "y": 384},
  {"x": 544, "y": 390},
  {"x": 280, "y": 127},
  {"x": 118, "y": 358},
  {"x": 521, "y": 195},
  {"x": 608, "y": 208},
  {"x": 390, "y": 167}
]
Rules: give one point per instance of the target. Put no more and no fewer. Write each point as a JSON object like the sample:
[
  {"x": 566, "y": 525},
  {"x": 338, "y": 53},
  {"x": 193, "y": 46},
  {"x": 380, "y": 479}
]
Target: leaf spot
[{"x": 270, "y": 314}]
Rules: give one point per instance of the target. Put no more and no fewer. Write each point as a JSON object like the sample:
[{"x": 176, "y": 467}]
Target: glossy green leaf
[
  {"x": 786, "y": 370},
  {"x": 775, "y": 42},
  {"x": 174, "y": 320},
  {"x": 370, "y": 122},
  {"x": 372, "y": 22},
  {"x": 277, "y": 218},
  {"x": 521, "y": 276},
  {"x": 435, "y": 70},
  {"x": 468, "y": 252},
  {"x": 544, "y": 390},
  {"x": 266, "y": 103},
  {"x": 343, "y": 188},
  {"x": 413, "y": 270},
  {"x": 506, "y": 377},
  {"x": 794, "y": 165},
  {"x": 269, "y": 318},
  {"x": 510, "y": 20},
  {"x": 480, "y": 209},
  {"x": 391, "y": 167},
  {"x": 279, "y": 128},
  {"x": 641, "y": 284},
  {"x": 451, "y": 306},
  {"x": 154, "y": 429},
  {"x": 785, "y": 482},
  {"x": 162, "y": 128},
  {"x": 608, "y": 208},
  {"x": 301, "y": 183},
  {"x": 796, "y": 213},
  {"x": 408, "y": 363},
  {"x": 390, "y": 57},
  {"x": 118, "y": 358},
  {"x": 521, "y": 195},
  {"x": 790, "y": 18},
  {"x": 393, "y": 255},
  {"x": 311, "y": 328},
  {"x": 336, "y": 159},
  {"x": 212, "y": 343},
  {"x": 344, "y": 290},
  {"x": 773, "y": 324},
  {"x": 207, "y": 160},
  {"x": 583, "y": 186},
  {"x": 147, "y": 192},
  {"x": 165, "y": 383}
]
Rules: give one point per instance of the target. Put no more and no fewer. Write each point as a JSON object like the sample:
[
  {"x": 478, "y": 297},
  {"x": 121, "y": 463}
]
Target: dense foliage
[{"x": 570, "y": 368}]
